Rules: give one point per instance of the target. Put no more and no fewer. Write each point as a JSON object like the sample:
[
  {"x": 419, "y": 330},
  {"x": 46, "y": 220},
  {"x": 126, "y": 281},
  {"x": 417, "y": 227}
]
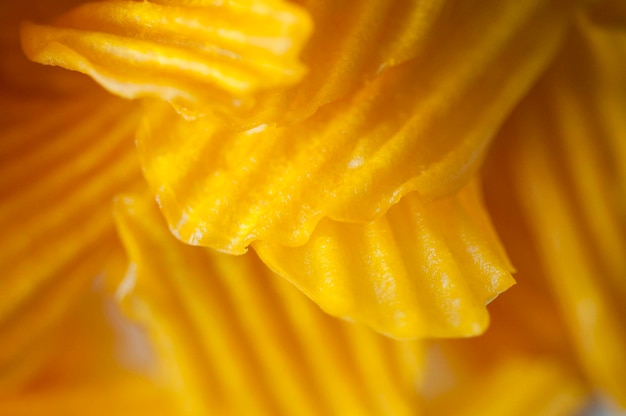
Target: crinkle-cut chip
[
  {"x": 353, "y": 42},
  {"x": 126, "y": 395},
  {"x": 62, "y": 159},
  {"x": 194, "y": 55},
  {"x": 227, "y": 328},
  {"x": 31, "y": 331},
  {"x": 425, "y": 269},
  {"x": 355, "y": 157},
  {"x": 524, "y": 346},
  {"x": 20, "y": 78},
  {"x": 564, "y": 148},
  {"x": 338, "y": 52},
  {"x": 518, "y": 386},
  {"x": 86, "y": 370}
]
